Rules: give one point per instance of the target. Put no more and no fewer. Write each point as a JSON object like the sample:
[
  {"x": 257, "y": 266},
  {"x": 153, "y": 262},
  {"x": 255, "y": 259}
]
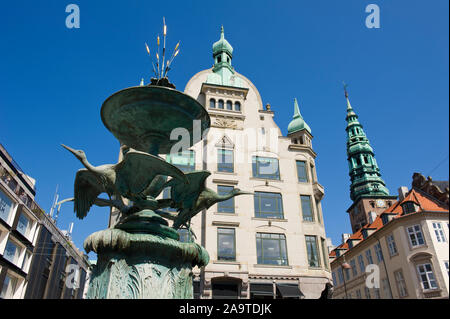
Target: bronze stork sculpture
[
  {"x": 191, "y": 198},
  {"x": 128, "y": 178},
  {"x": 141, "y": 256}
]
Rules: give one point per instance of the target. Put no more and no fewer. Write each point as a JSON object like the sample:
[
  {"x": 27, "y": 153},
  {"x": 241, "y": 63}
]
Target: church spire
[{"x": 364, "y": 173}]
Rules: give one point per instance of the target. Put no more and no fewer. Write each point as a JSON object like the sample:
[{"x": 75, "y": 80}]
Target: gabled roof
[{"x": 425, "y": 202}]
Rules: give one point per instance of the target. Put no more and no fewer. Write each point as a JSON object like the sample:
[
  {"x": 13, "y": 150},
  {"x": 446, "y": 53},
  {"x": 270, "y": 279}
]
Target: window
[
  {"x": 358, "y": 294},
  {"x": 184, "y": 160},
  {"x": 219, "y": 59},
  {"x": 347, "y": 274},
  {"x": 408, "y": 207},
  {"x": 301, "y": 171},
  {"x": 184, "y": 235},
  {"x": 226, "y": 206},
  {"x": 271, "y": 249},
  {"x": 386, "y": 288},
  {"x": 23, "y": 225},
  {"x": 229, "y": 105},
  {"x": 340, "y": 275},
  {"x": 224, "y": 290},
  {"x": 25, "y": 261},
  {"x": 268, "y": 205},
  {"x": 166, "y": 195},
  {"x": 401, "y": 284},
  {"x": 391, "y": 245},
  {"x": 353, "y": 265},
  {"x": 333, "y": 275},
  {"x": 378, "y": 252},
  {"x": 440, "y": 237},
  {"x": 6, "y": 206},
  {"x": 9, "y": 287},
  {"x": 367, "y": 291},
  {"x": 212, "y": 103},
  {"x": 265, "y": 167},
  {"x": 362, "y": 267},
  {"x": 324, "y": 252},
  {"x": 312, "y": 251},
  {"x": 426, "y": 276},
  {"x": 369, "y": 256},
  {"x": 376, "y": 292},
  {"x": 307, "y": 208},
  {"x": 221, "y": 104},
  {"x": 12, "y": 252},
  {"x": 446, "y": 266},
  {"x": 226, "y": 244},
  {"x": 225, "y": 161},
  {"x": 312, "y": 173},
  {"x": 415, "y": 236},
  {"x": 237, "y": 106}
]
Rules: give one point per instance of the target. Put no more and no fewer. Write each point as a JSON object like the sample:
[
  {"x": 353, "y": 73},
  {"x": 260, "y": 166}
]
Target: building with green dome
[{"x": 271, "y": 244}]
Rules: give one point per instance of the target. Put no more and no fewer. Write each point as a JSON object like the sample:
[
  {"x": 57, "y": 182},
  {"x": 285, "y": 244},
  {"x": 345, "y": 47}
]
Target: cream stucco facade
[
  {"x": 248, "y": 131},
  {"x": 414, "y": 263}
]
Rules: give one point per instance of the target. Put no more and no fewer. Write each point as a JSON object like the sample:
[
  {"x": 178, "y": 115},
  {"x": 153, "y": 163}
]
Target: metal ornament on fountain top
[{"x": 144, "y": 117}]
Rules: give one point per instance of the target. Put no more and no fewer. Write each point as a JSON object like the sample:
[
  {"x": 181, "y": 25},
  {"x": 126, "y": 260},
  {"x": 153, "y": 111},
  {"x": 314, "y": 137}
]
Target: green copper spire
[
  {"x": 297, "y": 124},
  {"x": 364, "y": 173},
  {"x": 223, "y": 72}
]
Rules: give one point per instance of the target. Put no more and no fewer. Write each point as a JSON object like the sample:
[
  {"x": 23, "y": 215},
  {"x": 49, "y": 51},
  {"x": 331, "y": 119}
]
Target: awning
[
  {"x": 261, "y": 289},
  {"x": 289, "y": 291}
]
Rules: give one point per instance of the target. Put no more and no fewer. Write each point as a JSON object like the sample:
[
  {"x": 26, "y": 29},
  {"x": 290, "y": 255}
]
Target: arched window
[
  {"x": 229, "y": 105},
  {"x": 212, "y": 103},
  {"x": 237, "y": 106},
  {"x": 220, "y": 104}
]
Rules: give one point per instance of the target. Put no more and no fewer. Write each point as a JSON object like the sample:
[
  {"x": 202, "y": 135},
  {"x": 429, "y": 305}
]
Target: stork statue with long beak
[{"x": 129, "y": 178}]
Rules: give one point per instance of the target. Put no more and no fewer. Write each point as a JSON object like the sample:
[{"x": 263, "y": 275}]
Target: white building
[{"x": 273, "y": 243}]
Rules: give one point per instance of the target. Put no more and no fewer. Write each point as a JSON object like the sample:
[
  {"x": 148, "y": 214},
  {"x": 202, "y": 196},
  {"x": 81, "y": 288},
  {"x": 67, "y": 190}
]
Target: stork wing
[
  {"x": 87, "y": 189},
  {"x": 180, "y": 192},
  {"x": 138, "y": 169},
  {"x": 156, "y": 186}
]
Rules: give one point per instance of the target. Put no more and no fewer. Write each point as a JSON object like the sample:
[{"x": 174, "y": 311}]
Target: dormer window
[{"x": 409, "y": 207}]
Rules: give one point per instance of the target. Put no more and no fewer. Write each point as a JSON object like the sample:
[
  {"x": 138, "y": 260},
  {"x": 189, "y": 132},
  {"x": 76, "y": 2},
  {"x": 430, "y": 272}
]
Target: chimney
[{"x": 402, "y": 191}]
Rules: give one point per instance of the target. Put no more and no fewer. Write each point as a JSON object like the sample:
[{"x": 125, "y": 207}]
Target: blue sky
[{"x": 53, "y": 81}]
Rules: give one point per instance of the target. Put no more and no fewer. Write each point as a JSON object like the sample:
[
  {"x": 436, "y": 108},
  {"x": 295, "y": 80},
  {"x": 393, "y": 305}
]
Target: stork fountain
[{"x": 141, "y": 256}]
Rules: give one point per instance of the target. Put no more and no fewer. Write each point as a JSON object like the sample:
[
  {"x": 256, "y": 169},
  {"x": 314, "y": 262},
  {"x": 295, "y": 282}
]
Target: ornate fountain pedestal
[{"x": 141, "y": 258}]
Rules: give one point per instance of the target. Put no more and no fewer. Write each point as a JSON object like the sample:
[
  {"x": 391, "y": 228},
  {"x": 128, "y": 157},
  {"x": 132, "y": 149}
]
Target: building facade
[
  {"x": 34, "y": 253},
  {"x": 405, "y": 249},
  {"x": 271, "y": 244}
]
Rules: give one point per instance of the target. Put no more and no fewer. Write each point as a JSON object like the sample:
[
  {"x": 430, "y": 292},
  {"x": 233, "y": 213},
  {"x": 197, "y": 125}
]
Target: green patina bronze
[
  {"x": 364, "y": 172},
  {"x": 141, "y": 256}
]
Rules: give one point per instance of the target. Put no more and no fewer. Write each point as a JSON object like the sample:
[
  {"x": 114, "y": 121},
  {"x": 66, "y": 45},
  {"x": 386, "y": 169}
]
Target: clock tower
[{"x": 367, "y": 189}]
